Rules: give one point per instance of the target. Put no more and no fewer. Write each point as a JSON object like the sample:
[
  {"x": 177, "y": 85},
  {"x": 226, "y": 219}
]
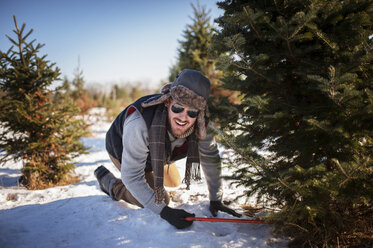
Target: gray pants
[{"x": 122, "y": 193}]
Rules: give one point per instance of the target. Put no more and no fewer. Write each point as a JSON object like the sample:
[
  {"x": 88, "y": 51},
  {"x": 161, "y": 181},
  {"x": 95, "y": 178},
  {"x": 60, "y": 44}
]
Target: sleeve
[
  {"x": 211, "y": 165},
  {"x": 135, "y": 153}
]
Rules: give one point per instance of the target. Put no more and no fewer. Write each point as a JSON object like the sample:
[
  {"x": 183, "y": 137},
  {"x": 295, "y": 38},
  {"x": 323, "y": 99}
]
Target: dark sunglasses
[{"x": 176, "y": 108}]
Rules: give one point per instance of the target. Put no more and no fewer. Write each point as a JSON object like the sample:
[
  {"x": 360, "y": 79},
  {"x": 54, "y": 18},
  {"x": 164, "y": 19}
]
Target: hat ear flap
[
  {"x": 165, "y": 89},
  {"x": 201, "y": 126}
]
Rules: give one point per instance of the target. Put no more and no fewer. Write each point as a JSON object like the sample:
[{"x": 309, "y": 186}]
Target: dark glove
[
  {"x": 215, "y": 206},
  {"x": 176, "y": 217}
]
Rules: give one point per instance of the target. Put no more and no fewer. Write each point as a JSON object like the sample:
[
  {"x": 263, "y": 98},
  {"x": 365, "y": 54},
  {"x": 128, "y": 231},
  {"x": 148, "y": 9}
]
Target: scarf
[{"x": 157, "y": 149}]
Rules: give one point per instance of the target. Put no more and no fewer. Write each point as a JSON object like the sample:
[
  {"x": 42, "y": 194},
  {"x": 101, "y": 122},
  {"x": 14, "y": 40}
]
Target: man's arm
[
  {"x": 211, "y": 165},
  {"x": 135, "y": 152}
]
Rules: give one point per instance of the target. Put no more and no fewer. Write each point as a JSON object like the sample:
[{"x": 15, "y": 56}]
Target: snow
[{"x": 81, "y": 215}]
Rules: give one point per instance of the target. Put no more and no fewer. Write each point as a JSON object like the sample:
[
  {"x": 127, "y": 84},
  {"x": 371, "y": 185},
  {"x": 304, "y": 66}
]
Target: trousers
[{"x": 171, "y": 178}]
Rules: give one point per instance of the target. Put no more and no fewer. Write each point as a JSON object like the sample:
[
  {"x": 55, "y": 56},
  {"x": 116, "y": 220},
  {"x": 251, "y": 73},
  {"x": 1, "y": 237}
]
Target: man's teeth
[{"x": 181, "y": 123}]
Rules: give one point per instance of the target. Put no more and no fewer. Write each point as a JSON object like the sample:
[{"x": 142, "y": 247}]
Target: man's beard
[{"x": 185, "y": 134}]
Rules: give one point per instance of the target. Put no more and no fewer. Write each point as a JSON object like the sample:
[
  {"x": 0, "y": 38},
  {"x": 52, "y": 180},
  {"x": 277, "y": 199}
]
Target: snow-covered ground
[{"x": 80, "y": 215}]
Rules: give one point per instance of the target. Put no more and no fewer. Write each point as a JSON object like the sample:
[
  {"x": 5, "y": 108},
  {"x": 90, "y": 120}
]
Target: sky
[{"x": 113, "y": 41}]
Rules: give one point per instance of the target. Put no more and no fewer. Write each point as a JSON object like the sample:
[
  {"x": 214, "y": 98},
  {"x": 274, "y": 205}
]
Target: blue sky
[{"x": 116, "y": 41}]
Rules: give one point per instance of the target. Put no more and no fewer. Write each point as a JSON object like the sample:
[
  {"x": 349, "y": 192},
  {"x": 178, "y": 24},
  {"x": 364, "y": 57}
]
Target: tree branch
[{"x": 252, "y": 25}]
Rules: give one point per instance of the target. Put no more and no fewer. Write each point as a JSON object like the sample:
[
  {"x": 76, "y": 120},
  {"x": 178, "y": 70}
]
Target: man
[{"x": 149, "y": 135}]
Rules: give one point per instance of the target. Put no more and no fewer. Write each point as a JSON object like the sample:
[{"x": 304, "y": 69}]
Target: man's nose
[{"x": 183, "y": 115}]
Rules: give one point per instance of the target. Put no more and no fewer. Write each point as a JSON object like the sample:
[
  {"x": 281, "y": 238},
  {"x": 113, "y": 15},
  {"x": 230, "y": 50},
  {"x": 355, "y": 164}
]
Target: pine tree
[
  {"x": 303, "y": 130},
  {"x": 63, "y": 93},
  {"x": 44, "y": 134},
  {"x": 81, "y": 97},
  {"x": 78, "y": 82},
  {"x": 195, "y": 53}
]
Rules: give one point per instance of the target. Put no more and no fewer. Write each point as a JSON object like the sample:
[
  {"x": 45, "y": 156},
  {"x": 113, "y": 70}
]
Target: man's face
[{"x": 180, "y": 122}]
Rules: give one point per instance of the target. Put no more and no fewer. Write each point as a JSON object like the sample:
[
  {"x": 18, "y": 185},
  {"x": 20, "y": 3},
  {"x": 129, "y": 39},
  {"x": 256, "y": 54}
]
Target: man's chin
[{"x": 178, "y": 132}]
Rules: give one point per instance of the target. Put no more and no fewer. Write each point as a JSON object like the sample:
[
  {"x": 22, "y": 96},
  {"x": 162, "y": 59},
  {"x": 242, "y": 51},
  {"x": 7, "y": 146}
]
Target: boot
[{"x": 106, "y": 180}]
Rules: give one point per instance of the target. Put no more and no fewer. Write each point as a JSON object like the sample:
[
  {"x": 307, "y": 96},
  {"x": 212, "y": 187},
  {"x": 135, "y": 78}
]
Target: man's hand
[
  {"x": 176, "y": 217},
  {"x": 216, "y": 206}
]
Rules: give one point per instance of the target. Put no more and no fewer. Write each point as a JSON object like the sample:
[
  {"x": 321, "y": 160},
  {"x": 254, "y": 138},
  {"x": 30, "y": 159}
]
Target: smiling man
[{"x": 153, "y": 132}]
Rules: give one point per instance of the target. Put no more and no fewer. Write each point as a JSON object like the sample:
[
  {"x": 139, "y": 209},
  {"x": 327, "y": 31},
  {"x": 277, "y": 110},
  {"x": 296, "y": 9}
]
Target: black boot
[{"x": 106, "y": 180}]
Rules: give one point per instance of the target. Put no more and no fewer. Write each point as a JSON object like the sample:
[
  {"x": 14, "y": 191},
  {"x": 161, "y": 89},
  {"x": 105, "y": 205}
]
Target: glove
[
  {"x": 215, "y": 206},
  {"x": 176, "y": 217}
]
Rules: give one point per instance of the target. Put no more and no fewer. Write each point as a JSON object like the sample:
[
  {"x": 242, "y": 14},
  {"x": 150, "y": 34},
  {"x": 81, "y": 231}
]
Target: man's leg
[
  {"x": 120, "y": 191},
  {"x": 115, "y": 188},
  {"x": 171, "y": 175}
]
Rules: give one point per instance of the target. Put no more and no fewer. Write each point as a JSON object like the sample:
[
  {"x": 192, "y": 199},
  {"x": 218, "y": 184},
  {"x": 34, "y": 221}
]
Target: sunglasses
[{"x": 176, "y": 108}]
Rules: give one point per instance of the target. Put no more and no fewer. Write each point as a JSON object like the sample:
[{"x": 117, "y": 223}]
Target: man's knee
[{"x": 122, "y": 193}]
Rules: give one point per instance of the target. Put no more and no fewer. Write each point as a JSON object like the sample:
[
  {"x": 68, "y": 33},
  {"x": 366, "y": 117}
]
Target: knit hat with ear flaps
[{"x": 190, "y": 88}]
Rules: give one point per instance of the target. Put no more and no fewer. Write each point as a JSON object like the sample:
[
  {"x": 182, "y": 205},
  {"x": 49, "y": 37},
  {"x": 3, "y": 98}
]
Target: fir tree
[
  {"x": 44, "y": 134},
  {"x": 63, "y": 93},
  {"x": 195, "y": 53},
  {"x": 80, "y": 95},
  {"x": 78, "y": 82},
  {"x": 303, "y": 131}
]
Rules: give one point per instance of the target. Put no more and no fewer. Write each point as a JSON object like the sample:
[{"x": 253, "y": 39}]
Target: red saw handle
[{"x": 227, "y": 220}]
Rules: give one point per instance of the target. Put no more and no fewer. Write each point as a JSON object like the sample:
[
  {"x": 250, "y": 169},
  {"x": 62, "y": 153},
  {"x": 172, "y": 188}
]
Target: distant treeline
[{"x": 113, "y": 99}]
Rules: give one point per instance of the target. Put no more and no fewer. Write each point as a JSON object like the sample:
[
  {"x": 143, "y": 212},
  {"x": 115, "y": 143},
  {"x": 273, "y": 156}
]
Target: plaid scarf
[{"x": 157, "y": 149}]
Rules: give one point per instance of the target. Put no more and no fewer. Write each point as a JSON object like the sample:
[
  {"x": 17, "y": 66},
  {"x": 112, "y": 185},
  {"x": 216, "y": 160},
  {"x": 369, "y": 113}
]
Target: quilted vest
[{"x": 114, "y": 135}]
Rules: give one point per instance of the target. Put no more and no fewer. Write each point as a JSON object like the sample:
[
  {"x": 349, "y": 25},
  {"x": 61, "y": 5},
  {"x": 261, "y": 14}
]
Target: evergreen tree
[
  {"x": 121, "y": 93},
  {"x": 174, "y": 71},
  {"x": 66, "y": 86},
  {"x": 44, "y": 134},
  {"x": 136, "y": 93},
  {"x": 63, "y": 93},
  {"x": 80, "y": 95},
  {"x": 303, "y": 130},
  {"x": 78, "y": 82},
  {"x": 195, "y": 53}
]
